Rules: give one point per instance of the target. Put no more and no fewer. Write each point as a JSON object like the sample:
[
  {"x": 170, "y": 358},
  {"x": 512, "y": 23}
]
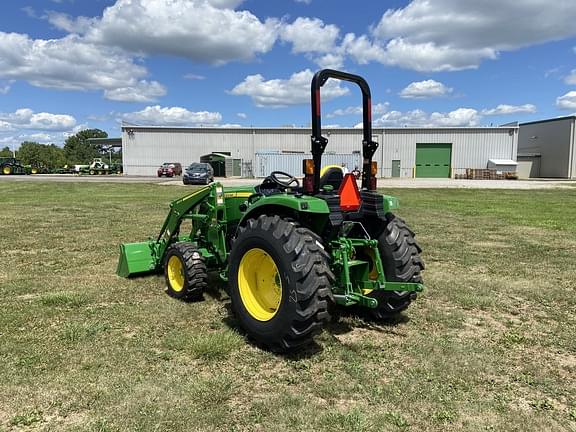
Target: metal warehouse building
[
  {"x": 403, "y": 152},
  {"x": 547, "y": 148}
]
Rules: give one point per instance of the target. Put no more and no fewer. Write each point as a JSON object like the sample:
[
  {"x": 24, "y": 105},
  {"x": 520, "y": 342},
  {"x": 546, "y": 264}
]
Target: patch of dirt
[
  {"x": 491, "y": 244},
  {"x": 27, "y": 296},
  {"x": 567, "y": 360},
  {"x": 482, "y": 323}
]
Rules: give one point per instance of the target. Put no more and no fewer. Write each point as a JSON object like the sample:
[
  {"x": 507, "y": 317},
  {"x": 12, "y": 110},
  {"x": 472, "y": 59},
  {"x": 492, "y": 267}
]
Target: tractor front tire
[
  {"x": 280, "y": 283},
  {"x": 185, "y": 272},
  {"x": 401, "y": 260}
]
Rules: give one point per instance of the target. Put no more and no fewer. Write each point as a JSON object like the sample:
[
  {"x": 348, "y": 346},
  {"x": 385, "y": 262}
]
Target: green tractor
[
  {"x": 10, "y": 166},
  {"x": 290, "y": 253}
]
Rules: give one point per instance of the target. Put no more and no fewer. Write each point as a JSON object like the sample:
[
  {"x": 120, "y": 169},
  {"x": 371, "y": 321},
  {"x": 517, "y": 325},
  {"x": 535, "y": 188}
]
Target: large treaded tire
[
  {"x": 400, "y": 254},
  {"x": 305, "y": 276},
  {"x": 194, "y": 271}
]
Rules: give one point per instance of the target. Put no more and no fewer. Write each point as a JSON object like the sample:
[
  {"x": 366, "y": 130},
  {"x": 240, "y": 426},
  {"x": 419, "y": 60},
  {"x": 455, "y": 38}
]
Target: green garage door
[{"x": 433, "y": 160}]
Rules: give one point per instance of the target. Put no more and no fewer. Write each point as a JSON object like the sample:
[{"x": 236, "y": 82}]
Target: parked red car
[{"x": 170, "y": 169}]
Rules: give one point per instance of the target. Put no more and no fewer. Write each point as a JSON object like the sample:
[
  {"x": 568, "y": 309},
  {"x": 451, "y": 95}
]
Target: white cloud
[
  {"x": 460, "y": 117},
  {"x": 504, "y": 109},
  {"x": 143, "y": 91},
  {"x": 5, "y": 88},
  {"x": 303, "y": 1},
  {"x": 225, "y": 4},
  {"x": 70, "y": 24},
  {"x": 5, "y": 126},
  {"x": 362, "y": 49},
  {"x": 310, "y": 35},
  {"x": 571, "y": 79},
  {"x": 227, "y": 125},
  {"x": 435, "y": 35},
  {"x": 567, "y": 101},
  {"x": 429, "y": 56},
  {"x": 351, "y": 110},
  {"x": 26, "y": 125},
  {"x": 281, "y": 92},
  {"x": 70, "y": 63},
  {"x": 191, "y": 76},
  {"x": 104, "y": 53},
  {"x": 379, "y": 108},
  {"x": 15, "y": 140},
  {"x": 25, "y": 118},
  {"x": 330, "y": 61},
  {"x": 242, "y": 115},
  {"x": 199, "y": 30},
  {"x": 171, "y": 116},
  {"x": 425, "y": 89},
  {"x": 40, "y": 137},
  {"x": 30, "y": 12}
]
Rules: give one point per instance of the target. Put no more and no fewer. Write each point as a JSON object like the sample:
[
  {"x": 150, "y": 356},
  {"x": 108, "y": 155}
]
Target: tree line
[{"x": 76, "y": 151}]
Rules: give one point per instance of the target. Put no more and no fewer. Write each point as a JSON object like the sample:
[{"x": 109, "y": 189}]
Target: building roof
[
  {"x": 129, "y": 128},
  {"x": 549, "y": 120}
]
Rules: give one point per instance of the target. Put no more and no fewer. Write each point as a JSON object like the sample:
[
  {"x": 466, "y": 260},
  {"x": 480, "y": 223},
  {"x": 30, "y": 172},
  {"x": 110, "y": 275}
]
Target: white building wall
[
  {"x": 554, "y": 141},
  {"x": 471, "y": 147},
  {"x": 145, "y": 148}
]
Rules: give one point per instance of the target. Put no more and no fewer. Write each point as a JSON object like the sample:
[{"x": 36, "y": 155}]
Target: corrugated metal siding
[
  {"x": 146, "y": 148},
  {"x": 265, "y": 163},
  {"x": 553, "y": 140},
  {"x": 471, "y": 148}
]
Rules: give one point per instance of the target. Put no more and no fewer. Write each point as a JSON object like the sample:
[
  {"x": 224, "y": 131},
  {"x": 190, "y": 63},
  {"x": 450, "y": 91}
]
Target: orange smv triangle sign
[{"x": 349, "y": 195}]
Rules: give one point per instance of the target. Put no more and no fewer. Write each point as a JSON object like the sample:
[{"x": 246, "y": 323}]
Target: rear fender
[{"x": 310, "y": 211}]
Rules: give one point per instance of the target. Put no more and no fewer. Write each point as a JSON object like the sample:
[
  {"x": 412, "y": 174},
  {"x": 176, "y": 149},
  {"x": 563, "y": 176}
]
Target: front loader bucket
[{"x": 136, "y": 258}]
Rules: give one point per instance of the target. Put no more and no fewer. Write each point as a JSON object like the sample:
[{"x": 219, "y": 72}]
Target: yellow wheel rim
[
  {"x": 6, "y": 170},
  {"x": 260, "y": 285},
  {"x": 175, "y": 273},
  {"x": 34, "y": 170}
]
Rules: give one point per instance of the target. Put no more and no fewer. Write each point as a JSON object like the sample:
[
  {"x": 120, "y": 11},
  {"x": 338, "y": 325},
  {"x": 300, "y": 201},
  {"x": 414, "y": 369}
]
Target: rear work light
[{"x": 349, "y": 194}]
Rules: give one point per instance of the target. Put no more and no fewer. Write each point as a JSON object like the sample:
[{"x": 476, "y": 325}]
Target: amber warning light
[
  {"x": 349, "y": 194},
  {"x": 308, "y": 170}
]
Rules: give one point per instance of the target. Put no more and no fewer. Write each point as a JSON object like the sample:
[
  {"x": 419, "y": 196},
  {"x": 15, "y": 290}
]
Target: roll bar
[{"x": 319, "y": 142}]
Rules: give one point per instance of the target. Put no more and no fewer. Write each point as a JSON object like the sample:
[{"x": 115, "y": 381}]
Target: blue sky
[{"x": 70, "y": 64}]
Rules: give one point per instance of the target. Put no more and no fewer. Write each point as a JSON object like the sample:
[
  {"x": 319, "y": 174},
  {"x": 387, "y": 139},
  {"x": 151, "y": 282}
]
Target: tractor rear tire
[
  {"x": 6, "y": 170},
  {"x": 185, "y": 272},
  {"x": 401, "y": 260},
  {"x": 280, "y": 283}
]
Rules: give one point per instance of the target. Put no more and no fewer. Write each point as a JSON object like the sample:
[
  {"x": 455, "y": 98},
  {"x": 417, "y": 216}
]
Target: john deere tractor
[
  {"x": 290, "y": 252},
  {"x": 10, "y": 165}
]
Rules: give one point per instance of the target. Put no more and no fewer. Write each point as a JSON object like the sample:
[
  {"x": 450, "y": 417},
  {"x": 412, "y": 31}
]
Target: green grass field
[{"x": 490, "y": 344}]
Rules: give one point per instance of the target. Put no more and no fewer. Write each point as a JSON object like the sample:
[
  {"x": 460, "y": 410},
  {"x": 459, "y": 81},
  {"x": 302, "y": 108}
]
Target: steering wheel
[{"x": 283, "y": 183}]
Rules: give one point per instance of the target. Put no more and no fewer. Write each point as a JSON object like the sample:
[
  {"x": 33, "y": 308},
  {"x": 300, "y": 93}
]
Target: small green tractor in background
[
  {"x": 10, "y": 165},
  {"x": 99, "y": 167},
  {"x": 289, "y": 252}
]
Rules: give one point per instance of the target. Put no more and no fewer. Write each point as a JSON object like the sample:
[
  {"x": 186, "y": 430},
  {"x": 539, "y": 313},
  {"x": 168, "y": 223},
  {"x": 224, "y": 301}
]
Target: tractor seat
[{"x": 331, "y": 175}]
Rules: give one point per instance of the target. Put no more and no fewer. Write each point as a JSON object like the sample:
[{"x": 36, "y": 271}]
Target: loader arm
[{"x": 146, "y": 257}]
